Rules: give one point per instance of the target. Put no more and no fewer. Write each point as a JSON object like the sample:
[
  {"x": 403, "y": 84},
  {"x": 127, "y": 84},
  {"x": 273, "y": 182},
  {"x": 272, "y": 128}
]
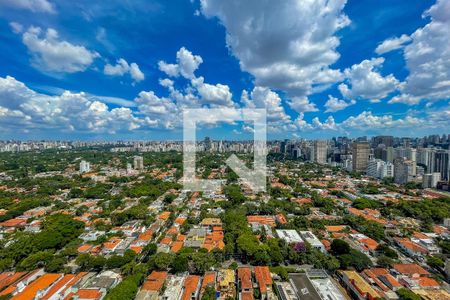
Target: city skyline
[{"x": 125, "y": 71}]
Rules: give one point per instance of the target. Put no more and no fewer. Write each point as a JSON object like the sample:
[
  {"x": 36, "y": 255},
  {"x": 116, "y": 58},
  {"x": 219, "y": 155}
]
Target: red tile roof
[
  {"x": 410, "y": 269},
  {"x": 208, "y": 280},
  {"x": 245, "y": 277},
  {"x": 14, "y": 223},
  {"x": 263, "y": 278},
  {"x": 88, "y": 294},
  {"x": 41, "y": 283},
  {"x": 190, "y": 286},
  {"x": 154, "y": 281},
  {"x": 8, "y": 278},
  {"x": 58, "y": 286}
]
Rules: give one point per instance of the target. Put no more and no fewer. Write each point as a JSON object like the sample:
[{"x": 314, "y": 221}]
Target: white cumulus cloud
[
  {"x": 51, "y": 54},
  {"x": 286, "y": 45},
  {"x": 365, "y": 81},
  {"x": 334, "y": 104},
  {"x": 122, "y": 67},
  {"x": 186, "y": 65},
  {"x": 21, "y": 106},
  {"x": 392, "y": 44},
  {"x": 428, "y": 58}
]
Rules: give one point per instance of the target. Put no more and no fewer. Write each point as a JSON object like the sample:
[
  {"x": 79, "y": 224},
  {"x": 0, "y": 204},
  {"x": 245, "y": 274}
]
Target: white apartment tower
[
  {"x": 85, "y": 166},
  {"x": 431, "y": 180},
  {"x": 379, "y": 169}
]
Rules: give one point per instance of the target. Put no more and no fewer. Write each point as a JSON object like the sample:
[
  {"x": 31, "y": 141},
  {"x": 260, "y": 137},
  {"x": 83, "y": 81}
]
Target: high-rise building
[
  {"x": 403, "y": 170},
  {"x": 320, "y": 152},
  {"x": 129, "y": 168},
  {"x": 207, "y": 143},
  {"x": 85, "y": 166},
  {"x": 380, "y": 169},
  {"x": 430, "y": 180},
  {"x": 425, "y": 156},
  {"x": 386, "y": 140},
  {"x": 360, "y": 152},
  {"x": 388, "y": 154},
  {"x": 296, "y": 152},
  {"x": 442, "y": 163},
  {"x": 138, "y": 163},
  {"x": 283, "y": 146}
]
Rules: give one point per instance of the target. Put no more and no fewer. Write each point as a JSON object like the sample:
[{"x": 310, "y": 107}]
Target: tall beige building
[
  {"x": 360, "y": 153},
  {"x": 138, "y": 163},
  {"x": 320, "y": 152}
]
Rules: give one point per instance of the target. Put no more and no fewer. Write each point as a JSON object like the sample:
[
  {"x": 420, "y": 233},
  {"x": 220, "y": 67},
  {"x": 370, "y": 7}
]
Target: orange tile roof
[
  {"x": 180, "y": 220},
  {"x": 245, "y": 277},
  {"x": 84, "y": 248},
  {"x": 247, "y": 296},
  {"x": 57, "y": 286},
  {"x": 96, "y": 249},
  {"x": 378, "y": 274},
  {"x": 181, "y": 237},
  {"x": 14, "y": 222},
  {"x": 302, "y": 200},
  {"x": 172, "y": 230},
  {"x": 9, "y": 290},
  {"x": 41, "y": 283},
  {"x": 208, "y": 280},
  {"x": 266, "y": 220},
  {"x": 368, "y": 214},
  {"x": 428, "y": 282},
  {"x": 327, "y": 244},
  {"x": 281, "y": 218},
  {"x": 392, "y": 280},
  {"x": 335, "y": 228},
  {"x": 154, "y": 281},
  {"x": 420, "y": 235},
  {"x": 8, "y": 278},
  {"x": 146, "y": 235},
  {"x": 190, "y": 286},
  {"x": 339, "y": 235},
  {"x": 89, "y": 294},
  {"x": 112, "y": 243},
  {"x": 176, "y": 246},
  {"x": 410, "y": 269},
  {"x": 263, "y": 277},
  {"x": 371, "y": 244},
  {"x": 440, "y": 229},
  {"x": 73, "y": 281},
  {"x": 164, "y": 215},
  {"x": 378, "y": 271},
  {"x": 408, "y": 244},
  {"x": 136, "y": 249},
  {"x": 166, "y": 241}
]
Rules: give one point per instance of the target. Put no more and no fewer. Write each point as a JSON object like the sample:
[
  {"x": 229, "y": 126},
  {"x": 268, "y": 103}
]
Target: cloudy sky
[{"x": 127, "y": 69}]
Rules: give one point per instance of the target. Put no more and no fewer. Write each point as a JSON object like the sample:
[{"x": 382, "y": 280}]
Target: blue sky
[{"x": 127, "y": 69}]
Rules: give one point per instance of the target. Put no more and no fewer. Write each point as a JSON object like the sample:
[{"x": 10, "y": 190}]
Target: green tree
[
  {"x": 355, "y": 259},
  {"x": 180, "y": 263},
  {"x": 339, "y": 247},
  {"x": 406, "y": 294},
  {"x": 126, "y": 289},
  {"x": 384, "y": 261},
  {"x": 209, "y": 293},
  {"x": 161, "y": 261},
  {"x": 435, "y": 262},
  {"x": 387, "y": 251}
]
